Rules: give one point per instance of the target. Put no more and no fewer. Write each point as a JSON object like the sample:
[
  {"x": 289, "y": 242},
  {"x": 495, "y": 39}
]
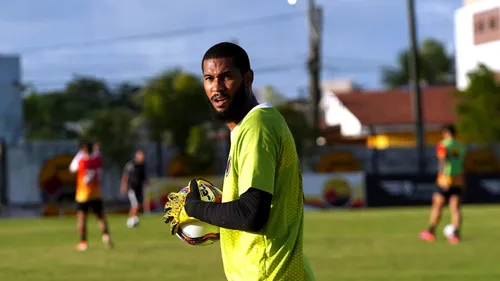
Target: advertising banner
[
  {"x": 331, "y": 190},
  {"x": 413, "y": 189}
]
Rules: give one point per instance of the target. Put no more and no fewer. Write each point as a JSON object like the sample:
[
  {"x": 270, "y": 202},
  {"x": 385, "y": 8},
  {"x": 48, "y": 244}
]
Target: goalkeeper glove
[{"x": 175, "y": 208}]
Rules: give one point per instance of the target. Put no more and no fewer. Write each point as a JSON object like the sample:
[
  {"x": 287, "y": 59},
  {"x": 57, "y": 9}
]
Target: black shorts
[
  {"x": 66, "y": 197},
  {"x": 136, "y": 196},
  {"x": 95, "y": 205},
  {"x": 453, "y": 190}
]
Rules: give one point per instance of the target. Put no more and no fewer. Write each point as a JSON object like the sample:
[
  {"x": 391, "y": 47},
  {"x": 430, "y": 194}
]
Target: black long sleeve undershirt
[{"x": 249, "y": 213}]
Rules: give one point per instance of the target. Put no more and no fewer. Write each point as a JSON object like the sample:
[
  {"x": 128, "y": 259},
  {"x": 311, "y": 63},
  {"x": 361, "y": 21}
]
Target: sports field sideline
[{"x": 360, "y": 245}]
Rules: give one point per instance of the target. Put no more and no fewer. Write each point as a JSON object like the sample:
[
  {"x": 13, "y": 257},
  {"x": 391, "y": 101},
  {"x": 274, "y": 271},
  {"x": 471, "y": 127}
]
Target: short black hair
[
  {"x": 450, "y": 129},
  {"x": 89, "y": 146},
  {"x": 229, "y": 50}
]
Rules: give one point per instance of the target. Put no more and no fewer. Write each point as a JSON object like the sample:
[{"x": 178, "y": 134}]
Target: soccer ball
[
  {"x": 196, "y": 232},
  {"x": 449, "y": 230}
]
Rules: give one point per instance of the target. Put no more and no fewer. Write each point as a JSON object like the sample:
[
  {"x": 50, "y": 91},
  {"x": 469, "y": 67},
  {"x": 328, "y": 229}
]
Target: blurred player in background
[
  {"x": 96, "y": 148},
  {"x": 262, "y": 214},
  {"x": 451, "y": 184},
  {"x": 133, "y": 181},
  {"x": 88, "y": 195},
  {"x": 73, "y": 167}
]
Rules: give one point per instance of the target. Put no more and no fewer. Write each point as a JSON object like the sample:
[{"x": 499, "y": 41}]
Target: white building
[
  {"x": 337, "y": 114},
  {"x": 11, "y": 106},
  {"x": 477, "y": 37}
]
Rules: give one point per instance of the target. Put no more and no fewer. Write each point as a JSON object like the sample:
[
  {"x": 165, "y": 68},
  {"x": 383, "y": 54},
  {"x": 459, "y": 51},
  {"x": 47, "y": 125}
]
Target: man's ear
[{"x": 248, "y": 79}]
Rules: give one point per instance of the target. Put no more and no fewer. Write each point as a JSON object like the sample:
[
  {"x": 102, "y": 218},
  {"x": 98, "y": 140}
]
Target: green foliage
[
  {"x": 297, "y": 123},
  {"x": 47, "y": 115},
  {"x": 174, "y": 102},
  {"x": 272, "y": 96},
  {"x": 478, "y": 106},
  {"x": 44, "y": 116},
  {"x": 436, "y": 66},
  {"x": 112, "y": 129},
  {"x": 84, "y": 94},
  {"x": 200, "y": 149}
]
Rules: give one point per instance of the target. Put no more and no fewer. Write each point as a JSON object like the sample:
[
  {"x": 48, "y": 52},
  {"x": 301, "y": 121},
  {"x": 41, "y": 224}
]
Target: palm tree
[{"x": 436, "y": 66}]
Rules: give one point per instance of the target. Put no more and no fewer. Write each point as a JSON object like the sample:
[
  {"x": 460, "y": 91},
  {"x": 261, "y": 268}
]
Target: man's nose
[{"x": 218, "y": 85}]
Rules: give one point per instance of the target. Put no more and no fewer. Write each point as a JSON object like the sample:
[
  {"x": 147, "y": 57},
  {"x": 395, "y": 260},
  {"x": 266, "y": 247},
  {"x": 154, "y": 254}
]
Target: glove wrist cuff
[{"x": 191, "y": 207}]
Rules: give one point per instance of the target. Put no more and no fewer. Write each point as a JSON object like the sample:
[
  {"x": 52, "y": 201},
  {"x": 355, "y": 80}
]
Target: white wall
[
  {"x": 337, "y": 114},
  {"x": 467, "y": 55}
]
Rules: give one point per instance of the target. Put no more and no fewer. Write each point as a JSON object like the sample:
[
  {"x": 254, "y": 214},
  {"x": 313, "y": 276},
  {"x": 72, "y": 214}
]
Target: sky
[{"x": 57, "y": 39}]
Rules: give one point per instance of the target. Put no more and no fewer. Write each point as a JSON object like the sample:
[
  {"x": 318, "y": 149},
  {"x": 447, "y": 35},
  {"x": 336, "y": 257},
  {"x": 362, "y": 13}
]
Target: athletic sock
[{"x": 432, "y": 229}]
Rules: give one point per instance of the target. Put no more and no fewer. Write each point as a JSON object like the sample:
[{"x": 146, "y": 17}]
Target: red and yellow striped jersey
[{"x": 88, "y": 184}]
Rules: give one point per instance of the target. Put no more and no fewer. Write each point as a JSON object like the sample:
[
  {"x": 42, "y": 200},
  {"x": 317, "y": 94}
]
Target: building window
[
  {"x": 493, "y": 23},
  {"x": 480, "y": 27},
  {"x": 486, "y": 26}
]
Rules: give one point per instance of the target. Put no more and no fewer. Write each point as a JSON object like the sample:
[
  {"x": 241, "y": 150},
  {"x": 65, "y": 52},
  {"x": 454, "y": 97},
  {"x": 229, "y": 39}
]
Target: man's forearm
[
  {"x": 124, "y": 181},
  {"x": 249, "y": 213}
]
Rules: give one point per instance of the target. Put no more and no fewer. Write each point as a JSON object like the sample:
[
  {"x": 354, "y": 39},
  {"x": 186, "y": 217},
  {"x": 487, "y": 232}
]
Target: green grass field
[{"x": 361, "y": 245}]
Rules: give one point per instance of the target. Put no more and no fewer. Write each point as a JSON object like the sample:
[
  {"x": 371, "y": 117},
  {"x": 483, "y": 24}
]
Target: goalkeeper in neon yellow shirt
[{"x": 262, "y": 214}]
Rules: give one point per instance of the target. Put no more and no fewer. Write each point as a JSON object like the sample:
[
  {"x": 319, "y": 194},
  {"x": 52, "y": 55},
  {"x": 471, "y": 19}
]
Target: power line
[
  {"x": 141, "y": 79},
  {"x": 168, "y": 33},
  {"x": 358, "y": 61},
  {"x": 344, "y": 64},
  {"x": 44, "y": 68},
  {"x": 272, "y": 69}
]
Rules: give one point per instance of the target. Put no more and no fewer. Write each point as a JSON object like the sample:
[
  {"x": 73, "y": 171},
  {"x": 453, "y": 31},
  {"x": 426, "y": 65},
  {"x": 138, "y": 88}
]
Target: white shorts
[{"x": 135, "y": 197}]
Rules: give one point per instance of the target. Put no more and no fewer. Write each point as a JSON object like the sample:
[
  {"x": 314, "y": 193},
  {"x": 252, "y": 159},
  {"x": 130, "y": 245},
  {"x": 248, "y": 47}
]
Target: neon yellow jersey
[{"x": 263, "y": 156}]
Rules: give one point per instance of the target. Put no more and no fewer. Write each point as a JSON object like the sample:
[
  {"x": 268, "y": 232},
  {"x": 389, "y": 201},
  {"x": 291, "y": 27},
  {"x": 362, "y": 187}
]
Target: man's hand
[
  {"x": 175, "y": 208},
  {"x": 443, "y": 182}
]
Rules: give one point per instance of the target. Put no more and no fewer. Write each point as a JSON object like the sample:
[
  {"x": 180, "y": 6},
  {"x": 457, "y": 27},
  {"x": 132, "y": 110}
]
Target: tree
[
  {"x": 272, "y": 96},
  {"x": 173, "y": 102},
  {"x": 126, "y": 95},
  {"x": 84, "y": 95},
  {"x": 478, "y": 105},
  {"x": 53, "y": 115},
  {"x": 436, "y": 66},
  {"x": 298, "y": 124},
  {"x": 44, "y": 116},
  {"x": 111, "y": 127},
  {"x": 200, "y": 150}
]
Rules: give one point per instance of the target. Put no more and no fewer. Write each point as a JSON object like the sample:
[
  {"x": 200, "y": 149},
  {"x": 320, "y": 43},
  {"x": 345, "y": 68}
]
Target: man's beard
[{"x": 239, "y": 106}]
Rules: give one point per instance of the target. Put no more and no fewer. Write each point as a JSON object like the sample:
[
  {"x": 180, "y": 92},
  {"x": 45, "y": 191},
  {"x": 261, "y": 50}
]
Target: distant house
[{"x": 386, "y": 117}]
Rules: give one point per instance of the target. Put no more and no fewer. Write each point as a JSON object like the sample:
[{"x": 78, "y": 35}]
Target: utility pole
[
  {"x": 315, "y": 22},
  {"x": 415, "y": 87}
]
